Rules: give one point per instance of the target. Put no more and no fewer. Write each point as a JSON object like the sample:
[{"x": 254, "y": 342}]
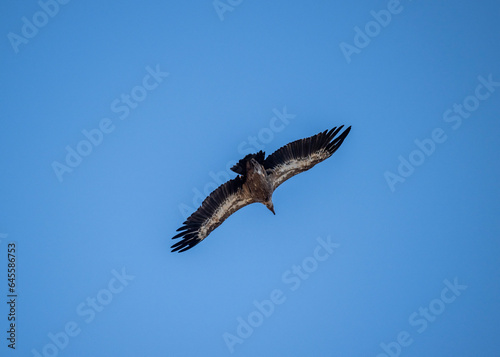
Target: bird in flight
[{"x": 257, "y": 179}]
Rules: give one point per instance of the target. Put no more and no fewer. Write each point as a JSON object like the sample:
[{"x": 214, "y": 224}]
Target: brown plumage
[{"x": 256, "y": 182}]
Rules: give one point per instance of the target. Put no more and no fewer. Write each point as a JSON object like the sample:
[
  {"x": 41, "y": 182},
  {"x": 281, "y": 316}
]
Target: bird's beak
[{"x": 272, "y": 209}]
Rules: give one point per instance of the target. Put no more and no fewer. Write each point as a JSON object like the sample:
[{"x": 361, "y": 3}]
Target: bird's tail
[{"x": 241, "y": 166}]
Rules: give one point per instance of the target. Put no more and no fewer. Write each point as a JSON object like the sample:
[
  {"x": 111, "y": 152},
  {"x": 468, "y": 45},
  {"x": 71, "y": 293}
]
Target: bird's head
[{"x": 269, "y": 204}]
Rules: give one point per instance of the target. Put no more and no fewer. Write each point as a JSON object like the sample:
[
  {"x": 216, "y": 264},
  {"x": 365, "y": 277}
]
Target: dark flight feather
[
  {"x": 301, "y": 155},
  {"x": 220, "y": 204}
]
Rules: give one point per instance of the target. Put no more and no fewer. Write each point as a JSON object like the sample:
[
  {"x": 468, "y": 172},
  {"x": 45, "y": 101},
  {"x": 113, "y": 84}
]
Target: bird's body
[{"x": 256, "y": 182}]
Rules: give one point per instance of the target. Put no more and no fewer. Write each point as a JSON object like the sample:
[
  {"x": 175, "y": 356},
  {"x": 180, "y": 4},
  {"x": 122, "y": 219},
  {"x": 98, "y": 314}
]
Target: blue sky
[{"x": 117, "y": 119}]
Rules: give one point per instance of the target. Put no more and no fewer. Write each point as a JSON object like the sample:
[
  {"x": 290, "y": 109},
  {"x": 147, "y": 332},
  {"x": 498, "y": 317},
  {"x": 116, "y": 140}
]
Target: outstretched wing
[
  {"x": 220, "y": 204},
  {"x": 300, "y": 155}
]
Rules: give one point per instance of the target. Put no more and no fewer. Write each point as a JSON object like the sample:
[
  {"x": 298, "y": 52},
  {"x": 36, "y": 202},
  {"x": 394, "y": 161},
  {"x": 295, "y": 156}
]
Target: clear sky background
[{"x": 390, "y": 247}]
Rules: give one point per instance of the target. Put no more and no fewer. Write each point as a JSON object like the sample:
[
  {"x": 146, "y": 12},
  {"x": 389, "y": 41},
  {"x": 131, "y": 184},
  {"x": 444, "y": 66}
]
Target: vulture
[{"x": 258, "y": 177}]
